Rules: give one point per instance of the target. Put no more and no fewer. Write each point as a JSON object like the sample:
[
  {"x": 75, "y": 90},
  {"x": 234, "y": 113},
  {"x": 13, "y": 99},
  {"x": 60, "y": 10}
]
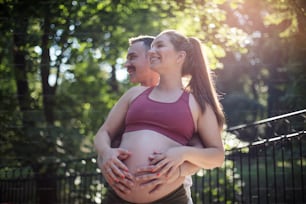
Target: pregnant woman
[{"x": 161, "y": 120}]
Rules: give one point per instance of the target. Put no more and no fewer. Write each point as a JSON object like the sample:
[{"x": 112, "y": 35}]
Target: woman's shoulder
[
  {"x": 194, "y": 105},
  {"x": 135, "y": 91}
]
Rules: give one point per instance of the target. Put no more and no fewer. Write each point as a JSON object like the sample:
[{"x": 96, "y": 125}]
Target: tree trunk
[
  {"x": 46, "y": 185},
  {"x": 48, "y": 91},
  {"x": 46, "y": 188},
  {"x": 20, "y": 72},
  {"x": 113, "y": 80}
]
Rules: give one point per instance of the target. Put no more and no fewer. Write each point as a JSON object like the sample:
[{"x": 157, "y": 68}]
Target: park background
[{"x": 61, "y": 65}]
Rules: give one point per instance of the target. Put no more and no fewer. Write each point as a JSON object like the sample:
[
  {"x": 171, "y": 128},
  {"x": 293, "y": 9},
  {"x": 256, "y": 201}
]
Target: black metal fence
[
  {"x": 265, "y": 163},
  {"x": 269, "y": 168}
]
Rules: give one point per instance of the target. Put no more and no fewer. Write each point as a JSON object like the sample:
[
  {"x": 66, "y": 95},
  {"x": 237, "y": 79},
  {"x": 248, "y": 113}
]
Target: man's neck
[{"x": 150, "y": 83}]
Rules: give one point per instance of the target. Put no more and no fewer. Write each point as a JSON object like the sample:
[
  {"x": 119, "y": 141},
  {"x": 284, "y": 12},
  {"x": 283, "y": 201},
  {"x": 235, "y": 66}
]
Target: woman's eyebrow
[{"x": 156, "y": 42}]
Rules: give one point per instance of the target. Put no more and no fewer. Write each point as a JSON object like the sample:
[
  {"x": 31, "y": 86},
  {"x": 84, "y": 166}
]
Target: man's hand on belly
[
  {"x": 115, "y": 171},
  {"x": 122, "y": 186}
]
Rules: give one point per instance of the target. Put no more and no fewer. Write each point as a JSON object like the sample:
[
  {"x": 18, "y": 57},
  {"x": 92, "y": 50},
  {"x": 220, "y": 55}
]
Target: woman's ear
[{"x": 181, "y": 57}]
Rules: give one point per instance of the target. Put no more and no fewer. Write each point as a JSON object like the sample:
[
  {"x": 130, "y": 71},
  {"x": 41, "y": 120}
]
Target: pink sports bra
[{"x": 173, "y": 120}]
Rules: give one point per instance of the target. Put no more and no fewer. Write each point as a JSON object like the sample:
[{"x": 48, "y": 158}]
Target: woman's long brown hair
[{"x": 201, "y": 84}]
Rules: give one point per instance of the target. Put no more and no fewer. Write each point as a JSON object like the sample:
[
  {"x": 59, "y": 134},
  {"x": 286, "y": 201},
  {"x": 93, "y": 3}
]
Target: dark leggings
[{"x": 176, "y": 197}]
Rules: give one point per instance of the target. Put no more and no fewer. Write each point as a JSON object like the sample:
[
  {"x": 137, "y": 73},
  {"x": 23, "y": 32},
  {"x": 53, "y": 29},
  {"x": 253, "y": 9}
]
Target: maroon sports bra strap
[{"x": 186, "y": 97}]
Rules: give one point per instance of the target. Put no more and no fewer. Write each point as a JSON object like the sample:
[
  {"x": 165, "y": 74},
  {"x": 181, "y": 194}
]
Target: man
[
  {"x": 139, "y": 70},
  {"x": 137, "y": 63}
]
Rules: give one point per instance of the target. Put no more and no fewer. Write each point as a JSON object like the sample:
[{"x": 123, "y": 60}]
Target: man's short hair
[{"x": 146, "y": 39}]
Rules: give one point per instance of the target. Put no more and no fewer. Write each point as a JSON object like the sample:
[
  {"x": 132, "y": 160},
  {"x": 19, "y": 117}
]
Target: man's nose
[{"x": 127, "y": 63}]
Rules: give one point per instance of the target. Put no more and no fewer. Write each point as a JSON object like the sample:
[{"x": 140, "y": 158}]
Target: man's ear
[{"x": 181, "y": 57}]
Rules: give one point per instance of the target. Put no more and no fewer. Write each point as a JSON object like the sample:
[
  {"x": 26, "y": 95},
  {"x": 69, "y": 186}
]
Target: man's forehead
[{"x": 136, "y": 48}]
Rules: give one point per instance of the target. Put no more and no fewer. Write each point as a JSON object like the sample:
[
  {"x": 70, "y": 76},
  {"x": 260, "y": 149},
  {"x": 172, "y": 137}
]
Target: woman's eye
[{"x": 159, "y": 45}]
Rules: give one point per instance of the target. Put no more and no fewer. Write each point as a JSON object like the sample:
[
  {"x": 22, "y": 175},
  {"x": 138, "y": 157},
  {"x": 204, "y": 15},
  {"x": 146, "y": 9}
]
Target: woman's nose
[{"x": 151, "y": 51}]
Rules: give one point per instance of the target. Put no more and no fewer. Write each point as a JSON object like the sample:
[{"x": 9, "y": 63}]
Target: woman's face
[{"x": 162, "y": 54}]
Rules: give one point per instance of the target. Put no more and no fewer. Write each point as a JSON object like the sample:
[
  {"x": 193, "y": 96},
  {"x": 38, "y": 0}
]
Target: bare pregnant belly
[{"x": 142, "y": 144}]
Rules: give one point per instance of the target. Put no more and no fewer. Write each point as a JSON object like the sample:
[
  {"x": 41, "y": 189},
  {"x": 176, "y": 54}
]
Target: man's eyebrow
[{"x": 131, "y": 54}]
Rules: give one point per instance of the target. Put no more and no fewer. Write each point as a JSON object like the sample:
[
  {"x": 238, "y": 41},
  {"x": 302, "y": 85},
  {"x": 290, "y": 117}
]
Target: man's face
[{"x": 137, "y": 63}]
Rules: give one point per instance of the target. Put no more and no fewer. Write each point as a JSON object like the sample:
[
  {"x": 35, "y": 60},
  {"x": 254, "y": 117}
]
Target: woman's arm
[
  {"x": 211, "y": 156},
  {"x": 209, "y": 132}
]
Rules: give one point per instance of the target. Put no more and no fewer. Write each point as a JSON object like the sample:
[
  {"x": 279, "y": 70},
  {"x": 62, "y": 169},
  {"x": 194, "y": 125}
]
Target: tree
[
  {"x": 56, "y": 57},
  {"x": 58, "y": 62},
  {"x": 260, "y": 76}
]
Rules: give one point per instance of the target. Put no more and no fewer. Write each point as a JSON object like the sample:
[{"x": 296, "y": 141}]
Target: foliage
[
  {"x": 59, "y": 62},
  {"x": 271, "y": 73}
]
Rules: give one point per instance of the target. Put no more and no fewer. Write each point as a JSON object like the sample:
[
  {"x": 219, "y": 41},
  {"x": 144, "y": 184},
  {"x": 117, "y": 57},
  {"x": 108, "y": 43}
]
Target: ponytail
[{"x": 201, "y": 83}]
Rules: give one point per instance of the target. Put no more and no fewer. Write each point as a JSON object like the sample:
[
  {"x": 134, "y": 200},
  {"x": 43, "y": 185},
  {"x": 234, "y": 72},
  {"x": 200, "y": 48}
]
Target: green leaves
[{"x": 249, "y": 44}]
